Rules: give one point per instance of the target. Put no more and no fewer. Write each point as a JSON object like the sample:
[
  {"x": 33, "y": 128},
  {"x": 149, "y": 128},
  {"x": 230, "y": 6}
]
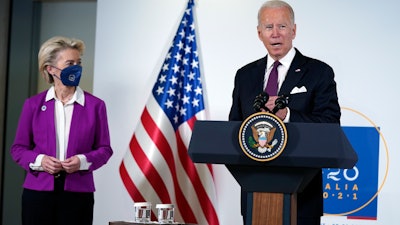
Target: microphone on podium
[
  {"x": 280, "y": 103},
  {"x": 261, "y": 99}
]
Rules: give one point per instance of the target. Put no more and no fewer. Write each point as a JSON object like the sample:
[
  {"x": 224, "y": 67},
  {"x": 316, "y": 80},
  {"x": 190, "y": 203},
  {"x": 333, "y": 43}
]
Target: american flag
[{"x": 157, "y": 168}]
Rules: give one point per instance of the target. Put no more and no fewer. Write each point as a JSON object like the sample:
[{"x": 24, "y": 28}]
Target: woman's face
[{"x": 67, "y": 57}]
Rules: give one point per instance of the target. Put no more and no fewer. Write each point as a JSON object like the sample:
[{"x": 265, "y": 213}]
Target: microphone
[
  {"x": 260, "y": 101},
  {"x": 280, "y": 103}
]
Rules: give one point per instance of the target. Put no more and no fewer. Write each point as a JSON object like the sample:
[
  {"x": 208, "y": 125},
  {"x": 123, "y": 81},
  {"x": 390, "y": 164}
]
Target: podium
[{"x": 274, "y": 184}]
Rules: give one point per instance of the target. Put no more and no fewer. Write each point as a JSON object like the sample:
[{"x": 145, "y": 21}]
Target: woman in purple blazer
[{"x": 62, "y": 137}]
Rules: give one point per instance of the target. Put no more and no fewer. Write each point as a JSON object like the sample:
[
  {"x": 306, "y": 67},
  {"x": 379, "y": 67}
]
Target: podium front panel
[{"x": 309, "y": 145}]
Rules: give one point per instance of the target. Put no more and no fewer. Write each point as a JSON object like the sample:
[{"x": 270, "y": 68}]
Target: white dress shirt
[{"x": 286, "y": 61}]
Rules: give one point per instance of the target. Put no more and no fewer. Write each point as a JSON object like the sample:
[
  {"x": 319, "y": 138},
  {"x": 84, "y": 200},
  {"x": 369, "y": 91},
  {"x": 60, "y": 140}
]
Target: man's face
[{"x": 276, "y": 31}]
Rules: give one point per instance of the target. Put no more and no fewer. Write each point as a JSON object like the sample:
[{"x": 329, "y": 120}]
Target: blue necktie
[{"x": 272, "y": 84}]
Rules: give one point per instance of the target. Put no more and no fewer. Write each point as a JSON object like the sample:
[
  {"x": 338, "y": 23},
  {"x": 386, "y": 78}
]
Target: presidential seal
[{"x": 262, "y": 136}]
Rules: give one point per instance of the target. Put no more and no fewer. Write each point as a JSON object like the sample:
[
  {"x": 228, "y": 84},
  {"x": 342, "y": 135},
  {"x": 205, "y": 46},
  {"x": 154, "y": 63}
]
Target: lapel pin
[
  {"x": 297, "y": 70},
  {"x": 44, "y": 108}
]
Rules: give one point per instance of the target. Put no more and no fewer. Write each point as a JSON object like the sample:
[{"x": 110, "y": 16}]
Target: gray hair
[
  {"x": 276, "y": 4},
  {"x": 49, "y": 51}
]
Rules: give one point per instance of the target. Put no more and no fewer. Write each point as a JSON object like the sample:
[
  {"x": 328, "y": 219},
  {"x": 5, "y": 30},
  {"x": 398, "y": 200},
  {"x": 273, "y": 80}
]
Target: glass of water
[
  {"x": 142, "y": 212},
  {"x": 165, "y": 213}
]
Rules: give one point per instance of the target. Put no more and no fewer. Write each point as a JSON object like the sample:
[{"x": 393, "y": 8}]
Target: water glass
[
  {"x": 165, "y": 213},
  {"x": 142, "y": 212}
]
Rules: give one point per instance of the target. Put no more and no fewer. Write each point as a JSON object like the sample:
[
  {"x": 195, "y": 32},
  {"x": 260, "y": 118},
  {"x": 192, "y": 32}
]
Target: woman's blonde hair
[{"x": 49, "y": 51}]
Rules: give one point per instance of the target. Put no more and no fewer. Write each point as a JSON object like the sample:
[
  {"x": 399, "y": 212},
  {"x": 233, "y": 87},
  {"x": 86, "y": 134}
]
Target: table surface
[{"x": 151, "y": 223}]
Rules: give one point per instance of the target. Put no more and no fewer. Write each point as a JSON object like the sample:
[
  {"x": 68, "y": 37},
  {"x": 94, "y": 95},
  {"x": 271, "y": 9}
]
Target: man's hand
[{"x": 281, "y": 114}]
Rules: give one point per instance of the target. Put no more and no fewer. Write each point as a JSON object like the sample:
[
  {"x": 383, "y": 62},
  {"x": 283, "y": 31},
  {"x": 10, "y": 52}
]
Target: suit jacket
[
  {"x": 36, "y": 134},
  {"x": 318, "y": 104}
]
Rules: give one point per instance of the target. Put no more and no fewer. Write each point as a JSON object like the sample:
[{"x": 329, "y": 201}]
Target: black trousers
[{"x": 57, "y": 207}]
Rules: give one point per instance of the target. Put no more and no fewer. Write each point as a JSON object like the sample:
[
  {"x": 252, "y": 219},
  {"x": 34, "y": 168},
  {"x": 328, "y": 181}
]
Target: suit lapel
[
  {"x": 259, "y": 82},
  {"x": 295, "y": 73},
  {"x": 48, "y": 119}
]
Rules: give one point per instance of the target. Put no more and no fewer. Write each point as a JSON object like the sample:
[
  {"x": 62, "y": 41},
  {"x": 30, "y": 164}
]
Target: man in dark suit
[{"x": 308, "y": 82}]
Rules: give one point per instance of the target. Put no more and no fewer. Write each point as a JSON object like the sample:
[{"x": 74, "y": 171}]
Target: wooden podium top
[{"x": 151, "y": 223}]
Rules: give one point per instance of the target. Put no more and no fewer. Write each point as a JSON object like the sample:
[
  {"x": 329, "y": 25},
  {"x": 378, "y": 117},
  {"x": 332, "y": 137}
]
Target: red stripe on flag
[
  {"x": 361, "y": 218},
  {"x": 191, "y": 123},
  {"x": 129, "y": 185},
  {"x": 149, "y": 171},
  {"x": 205, "y": 202},
  {"x": 162, "y": 144},
  {"x": 158, "y": 139}
]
